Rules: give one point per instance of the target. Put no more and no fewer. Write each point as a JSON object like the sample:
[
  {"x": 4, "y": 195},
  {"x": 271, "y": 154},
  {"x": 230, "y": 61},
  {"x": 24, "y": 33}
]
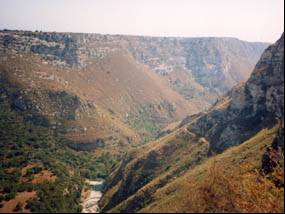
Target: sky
[{"x": 251, "y": 20}]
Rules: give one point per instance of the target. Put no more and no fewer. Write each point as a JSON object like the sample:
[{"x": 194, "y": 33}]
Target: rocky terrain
[
  {"x": 90, "y": 202},
  {"x": 210, "y": 66},
  {"x": 228, "y": 159},
  {"x": 249, "y": 107}
]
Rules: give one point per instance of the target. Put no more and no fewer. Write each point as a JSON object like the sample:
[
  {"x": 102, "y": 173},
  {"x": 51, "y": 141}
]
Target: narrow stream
[{"x": 90, "y": 204}]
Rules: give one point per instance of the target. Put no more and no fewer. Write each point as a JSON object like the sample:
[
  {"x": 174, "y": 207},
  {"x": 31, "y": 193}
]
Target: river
[{"x": 90, "y": 202}]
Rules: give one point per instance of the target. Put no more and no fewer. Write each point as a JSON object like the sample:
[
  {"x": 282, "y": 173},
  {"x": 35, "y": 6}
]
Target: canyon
[{"x": 152, "y": 116}]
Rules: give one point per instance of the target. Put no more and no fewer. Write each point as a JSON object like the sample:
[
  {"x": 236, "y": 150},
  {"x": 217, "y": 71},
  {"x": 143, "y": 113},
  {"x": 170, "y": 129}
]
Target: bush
[
  {"x": 25, "y": 187},
  {"x": 33, "y": 171},
  {"x": 18, "y": 140},
  {"x": 10, "y": 196},
  {"x": 18, "y": 207},
  {"x": 7, "y": 189},
  {"x": 1, "y": 198}
]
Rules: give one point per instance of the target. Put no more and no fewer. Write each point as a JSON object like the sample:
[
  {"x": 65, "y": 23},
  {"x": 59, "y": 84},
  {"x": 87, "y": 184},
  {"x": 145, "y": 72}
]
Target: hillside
[
  {"x": 120, "y": 99},
  {"x": 138, "y": 84},
  {"x": 72, "y": 105},
  {"x": 229, "y": 182},
  {"x": 228, "y": 159},
  {"x": 37, "y": 166}
]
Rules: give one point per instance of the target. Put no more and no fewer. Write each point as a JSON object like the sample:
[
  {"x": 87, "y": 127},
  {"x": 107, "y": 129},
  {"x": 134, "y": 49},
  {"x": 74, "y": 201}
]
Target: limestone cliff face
[
  {"x": 266, "y": 85},
  {"x": 201, "y": 68},
  {"x": 218, "y": 68},
  {"x": 249, "y": 107}
]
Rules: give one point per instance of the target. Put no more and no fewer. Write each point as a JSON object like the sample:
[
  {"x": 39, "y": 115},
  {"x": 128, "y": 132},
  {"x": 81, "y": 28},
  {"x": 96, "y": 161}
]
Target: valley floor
[{"x": 91, "y": 196}]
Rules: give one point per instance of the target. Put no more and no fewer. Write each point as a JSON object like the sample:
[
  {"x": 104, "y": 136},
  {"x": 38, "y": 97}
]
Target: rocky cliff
[
  {"x": 202, "y": 68},
  {"x": 249, "y": 107}
]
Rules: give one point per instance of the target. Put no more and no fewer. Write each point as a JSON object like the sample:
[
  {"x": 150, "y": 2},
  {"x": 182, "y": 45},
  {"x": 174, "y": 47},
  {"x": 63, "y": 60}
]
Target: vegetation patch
[{"x": 35, "y": 159}]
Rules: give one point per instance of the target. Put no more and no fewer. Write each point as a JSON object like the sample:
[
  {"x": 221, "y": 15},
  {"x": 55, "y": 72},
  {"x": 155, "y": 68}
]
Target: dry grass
[
  {"x": 229, "y": 182},
  {"x": 226, "y": 192},
  {"x": 174, "y": 155}
]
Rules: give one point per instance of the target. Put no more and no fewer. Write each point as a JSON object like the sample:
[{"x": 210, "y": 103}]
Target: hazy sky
[{"x": 253, "y": 20}]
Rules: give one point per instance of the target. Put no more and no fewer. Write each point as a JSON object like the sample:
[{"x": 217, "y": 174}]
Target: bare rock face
[
  {"x": 55, "y": 48},
  {"x": 217, "y": 69},
  {"x": 254, "y": 105},
  {"x": 266, "y": 85}
]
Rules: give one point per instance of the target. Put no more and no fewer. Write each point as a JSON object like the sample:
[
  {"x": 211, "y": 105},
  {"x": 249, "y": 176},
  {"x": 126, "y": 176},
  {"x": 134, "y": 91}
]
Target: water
[{"x": 90, "y": 204}]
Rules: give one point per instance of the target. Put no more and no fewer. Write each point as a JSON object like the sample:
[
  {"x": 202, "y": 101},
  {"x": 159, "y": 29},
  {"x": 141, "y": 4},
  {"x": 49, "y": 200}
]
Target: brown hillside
[
  {"x": 115, "y": 93},
  {"x": 244, "y": 178},
  {"x": 212, "y": 186}
]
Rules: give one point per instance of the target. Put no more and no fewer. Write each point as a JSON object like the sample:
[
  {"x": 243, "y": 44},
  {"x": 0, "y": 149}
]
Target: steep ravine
[
  {"x": 85, "y": 100},
  {"x": 238, "y": 132}
]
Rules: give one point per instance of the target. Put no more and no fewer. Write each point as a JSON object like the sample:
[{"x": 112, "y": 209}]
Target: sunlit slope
[
  {"x": 119, "y": 97},
  {"x": 244, "y": 117},
  {"x": 229, "y": 182}
]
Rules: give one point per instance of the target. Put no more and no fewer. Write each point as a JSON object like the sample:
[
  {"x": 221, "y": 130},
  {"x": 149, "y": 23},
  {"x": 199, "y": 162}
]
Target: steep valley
[
  {"x": 148, "y": 114},
  {"x": 137, "y": 84},
  {"x": 228, "y": 159}
]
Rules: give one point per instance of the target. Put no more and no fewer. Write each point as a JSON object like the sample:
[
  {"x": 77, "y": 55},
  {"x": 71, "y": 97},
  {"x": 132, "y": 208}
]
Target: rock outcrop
[{"x": 251, "y": 106}]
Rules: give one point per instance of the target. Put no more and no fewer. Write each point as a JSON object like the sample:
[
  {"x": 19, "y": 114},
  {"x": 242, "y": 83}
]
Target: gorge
[{"x": 159, "y": 119}]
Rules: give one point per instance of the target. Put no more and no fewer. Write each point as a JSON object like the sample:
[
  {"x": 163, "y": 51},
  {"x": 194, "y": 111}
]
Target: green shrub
[
  {"x": 23, "y": 142},
  {"x": 18, "y": 207},
  {"x": 1, "y": 198},
  {"x": 34, "y": 170},
  {"x": 10, "y": 196}
]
